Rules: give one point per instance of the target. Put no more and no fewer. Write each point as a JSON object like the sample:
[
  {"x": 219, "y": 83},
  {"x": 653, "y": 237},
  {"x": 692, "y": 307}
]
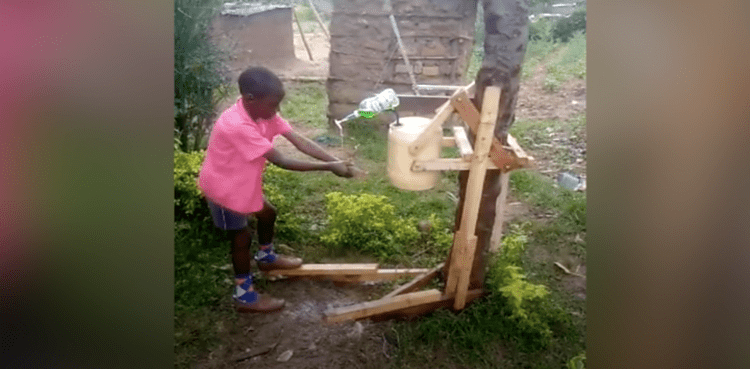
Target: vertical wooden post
[
  {"x": 301, "y": 33},
  {"x": 465, "y": 240},
  {"x": 320, "y": 21}
]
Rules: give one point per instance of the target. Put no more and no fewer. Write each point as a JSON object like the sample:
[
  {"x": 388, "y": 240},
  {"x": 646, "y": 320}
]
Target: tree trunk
[{"x": 506, "y": 35}]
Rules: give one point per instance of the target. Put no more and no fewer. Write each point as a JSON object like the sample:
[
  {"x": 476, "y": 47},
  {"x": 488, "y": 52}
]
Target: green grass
[
  {"x": 202, "y": 285},
  {"x": 568, "y": 63},
  {"x": 306, "y": 103},
  {"x": 539, "y": 135},
  {"x": 536, "y": 52}
]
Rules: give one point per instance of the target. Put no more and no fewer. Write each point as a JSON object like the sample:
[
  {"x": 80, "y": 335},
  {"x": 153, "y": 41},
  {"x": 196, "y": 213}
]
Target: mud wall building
[
  {"x": 253, "y": 32},
  {"x": 438, "y": 37}
]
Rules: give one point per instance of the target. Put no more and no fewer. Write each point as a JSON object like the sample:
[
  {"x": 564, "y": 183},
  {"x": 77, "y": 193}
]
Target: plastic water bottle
[
  {"x": 369, "y": 107},
  {"x": 386, "y": 100}
]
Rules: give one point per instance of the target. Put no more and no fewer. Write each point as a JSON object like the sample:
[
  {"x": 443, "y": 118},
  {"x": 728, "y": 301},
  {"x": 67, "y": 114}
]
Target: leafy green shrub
[
  {"x": 199, "y": 81},
  {"x": 277, "y": 191},
  {"x": 367, "y": 223},
  {"x": 188, "y": 200},
  {"x": 516, "y": 311},
  {"x": 526, "y": 305},
  {"x": 510, "y": 280},
  {"x": 441, "y": 232},
  {"x": 541, "y": 30},
  {"x": 578, "y": 362},
  {"x": 564, "y": 28}
]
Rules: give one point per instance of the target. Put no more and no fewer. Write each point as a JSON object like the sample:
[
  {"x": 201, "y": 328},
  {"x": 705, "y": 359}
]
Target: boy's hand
[
  {"x": 340, "y": 169},
  {"x": 356, "y": 172}
]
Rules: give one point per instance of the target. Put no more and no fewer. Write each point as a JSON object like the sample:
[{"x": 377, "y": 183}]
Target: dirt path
[
  {"x": 299, "y": 329},
  {"x": 535, "y": 103}
]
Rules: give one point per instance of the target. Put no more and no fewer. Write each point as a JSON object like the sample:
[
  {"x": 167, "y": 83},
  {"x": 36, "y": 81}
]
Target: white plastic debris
[
  {"x": 285, "y": 356},
  {"x": 571, "y": 181}
]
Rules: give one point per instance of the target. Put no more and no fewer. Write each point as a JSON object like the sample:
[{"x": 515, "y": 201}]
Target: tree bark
[{"x": 506, "y": 36}]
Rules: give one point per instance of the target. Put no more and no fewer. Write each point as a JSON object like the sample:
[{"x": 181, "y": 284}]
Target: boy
[{"x": 241, "y": 142}]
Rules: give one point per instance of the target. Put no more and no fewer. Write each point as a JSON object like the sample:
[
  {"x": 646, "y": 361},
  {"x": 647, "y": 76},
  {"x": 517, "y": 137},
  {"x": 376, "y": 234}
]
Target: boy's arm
[
  {"x": 309, "y": 147},
  {"x": 338, "y": 167}
]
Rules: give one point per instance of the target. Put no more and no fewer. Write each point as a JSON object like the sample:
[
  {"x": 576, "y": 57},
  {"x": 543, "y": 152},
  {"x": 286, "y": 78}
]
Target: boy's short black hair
[{"x": 260, "y": 82}]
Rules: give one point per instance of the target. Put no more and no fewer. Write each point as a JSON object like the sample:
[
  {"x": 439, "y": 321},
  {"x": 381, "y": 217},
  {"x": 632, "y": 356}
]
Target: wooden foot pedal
[
  {"x": 367, "y": 309},
  {"x": 346, "y": 272}
]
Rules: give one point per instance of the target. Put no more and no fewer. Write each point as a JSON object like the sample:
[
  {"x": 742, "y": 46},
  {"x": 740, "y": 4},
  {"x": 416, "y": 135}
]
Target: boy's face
[{"x": 262, "y": 108}]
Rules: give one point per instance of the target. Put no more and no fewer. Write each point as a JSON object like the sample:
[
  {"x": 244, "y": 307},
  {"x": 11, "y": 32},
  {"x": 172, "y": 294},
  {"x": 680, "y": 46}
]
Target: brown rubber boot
[
  {"x": 264, "y": 304},
  {"x": 281, "y": 262}
]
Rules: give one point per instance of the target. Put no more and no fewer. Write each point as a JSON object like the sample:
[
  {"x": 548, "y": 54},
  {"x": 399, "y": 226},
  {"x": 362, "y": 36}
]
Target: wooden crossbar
[
  {"x": 470, "y": 115},
  {"x": 420, "y": 309},
  {"x": 462, "y": 141},
  {"x": 441, "y": 115},
  {"x": 350, "y": 273},
  {"x": 418, "y": 282},
  {"x": 444, "y": 164},
  {"x": 327, "y": 269},
  {"x": 367, "y": 309}
]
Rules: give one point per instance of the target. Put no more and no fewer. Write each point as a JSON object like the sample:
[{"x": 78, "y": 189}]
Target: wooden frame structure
[{"x": 486, "y": 153}]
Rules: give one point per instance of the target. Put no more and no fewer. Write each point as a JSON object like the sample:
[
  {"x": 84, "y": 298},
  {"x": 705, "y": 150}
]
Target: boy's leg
[
  {"x": 241, "y": 239},
  {"x": 245, "y": 297},
  {"x": 266, "y": 257}
]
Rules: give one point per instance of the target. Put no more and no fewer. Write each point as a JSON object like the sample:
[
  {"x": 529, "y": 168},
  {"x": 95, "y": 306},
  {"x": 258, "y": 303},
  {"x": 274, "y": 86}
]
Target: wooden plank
[
  {"x": 477, "y": 172},
  {"x": 327, "y": 269},
  {"x": 521, "y": 159},
  {"x": 461, "y": 244},
  {"x": 448, "y": 142},
  {"x": 446, "y": 301},
  {"x": 469, "y": 114},
  {"x": 380, "y": 275},
  {"x": 500, "y": 156},
  {"x": 346, "y": 277},
  {"x": 462, "y": 141},
  {"x": 435, "y": 125},
  {"x": 367, "y": 309},
  {"x": 497, "y": 228},
  {"x": 445, "y": 164},
  {"x": 418, "y": 282},
  {"x": 441, "y": 115},
  {"x": 466, "y": 110}
]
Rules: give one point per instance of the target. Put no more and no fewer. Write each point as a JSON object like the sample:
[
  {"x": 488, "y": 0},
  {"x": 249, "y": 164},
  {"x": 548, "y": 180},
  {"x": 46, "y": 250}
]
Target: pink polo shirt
[{"x": 234, "y": 163}]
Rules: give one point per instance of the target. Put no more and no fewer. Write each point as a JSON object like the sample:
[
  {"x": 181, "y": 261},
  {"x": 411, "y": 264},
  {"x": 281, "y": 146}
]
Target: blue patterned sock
[
  {"x": 266, "y": 254},
  {"x": 245, "y": 292}
]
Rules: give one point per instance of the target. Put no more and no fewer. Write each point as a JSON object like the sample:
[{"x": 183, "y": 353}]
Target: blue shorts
[{"x": 226, "y": 219}]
